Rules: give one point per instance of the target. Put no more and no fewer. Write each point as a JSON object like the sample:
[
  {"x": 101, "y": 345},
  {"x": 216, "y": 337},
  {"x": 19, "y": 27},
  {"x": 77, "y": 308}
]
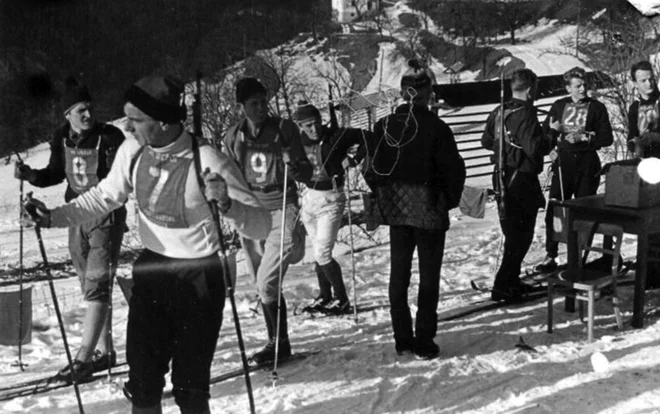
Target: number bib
[
  {"x": 263, "y": 163},
  {"x": 81, "y": 165},
  {"x": 316, "y": 159},
  {"x": 574, "y": 118},
  {"x": 162, "y": 181},
  {"x": 647, "y": 119}
]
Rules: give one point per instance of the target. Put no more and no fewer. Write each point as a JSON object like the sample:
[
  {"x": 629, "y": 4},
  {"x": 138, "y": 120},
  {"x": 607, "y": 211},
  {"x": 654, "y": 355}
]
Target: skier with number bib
[
  {"x": 644, "y": 136},
  {"x": 82, "y": 152},
  {"x": 261, "y": 145},
  {"x": 580, "y": 126},
  {"x": 178, "y": 295},
  {"x": 525, "y": 147},
  {"x": 323, "y": 200}
]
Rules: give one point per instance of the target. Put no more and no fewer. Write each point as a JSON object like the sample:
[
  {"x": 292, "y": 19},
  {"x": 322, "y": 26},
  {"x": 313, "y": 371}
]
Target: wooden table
[{"x": 641, "y": 222}]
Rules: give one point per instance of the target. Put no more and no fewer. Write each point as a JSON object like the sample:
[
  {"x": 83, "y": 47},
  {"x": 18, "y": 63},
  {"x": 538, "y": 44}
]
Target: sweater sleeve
[
  {"x": 601, "y": 127},
  {"x": 450, "y": 165},
  {"x": 291, "y": 137},
  {"x": 246, "y": 214},
  {"x": 54, "y": 172},
  {"x": 633, "y": 131},
  {"x": 109, "y": 194}
]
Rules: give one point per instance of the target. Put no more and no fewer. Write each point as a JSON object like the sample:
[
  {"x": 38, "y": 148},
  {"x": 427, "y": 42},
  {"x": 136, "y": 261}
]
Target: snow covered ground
[{"x": 357, "y": 371}]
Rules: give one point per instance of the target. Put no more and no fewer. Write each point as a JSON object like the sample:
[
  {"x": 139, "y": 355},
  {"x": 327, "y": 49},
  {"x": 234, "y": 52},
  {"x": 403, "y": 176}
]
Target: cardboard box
[{"x": 624, "y": 187}]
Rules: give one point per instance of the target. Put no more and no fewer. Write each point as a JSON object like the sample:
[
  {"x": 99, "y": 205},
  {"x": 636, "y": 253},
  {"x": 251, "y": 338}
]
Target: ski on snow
[{"x": 44, "y": 385}]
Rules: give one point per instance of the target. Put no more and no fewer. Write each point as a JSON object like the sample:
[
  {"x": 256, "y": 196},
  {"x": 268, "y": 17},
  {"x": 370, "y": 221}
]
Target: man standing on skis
[
  {"x": 82, "y": 152},
  {"x": 262, "y": 145},
  {"x": 417, "y": 176},
  {"x": 525, "y": 147},
  {"x": 644, "y": 136},
  {"x": 323, "y": 199},
  {"x": 178, "y": 295},
  {"x": 580, "y": 126}
]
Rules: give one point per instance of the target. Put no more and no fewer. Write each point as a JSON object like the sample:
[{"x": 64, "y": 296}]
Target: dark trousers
[
  {"x": 518, "y": 229},
  {"x": 430, "y": 246},
  {"x": 175, "y": 315},
  {"x": 580, "y": 177}
]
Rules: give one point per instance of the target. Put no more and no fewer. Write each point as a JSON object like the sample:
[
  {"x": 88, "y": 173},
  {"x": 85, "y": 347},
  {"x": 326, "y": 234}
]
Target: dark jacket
[
  {"x": 633, "y": 122},
  {"x": 597, "y": 122},
  {"x": 415, "y": 168},
  {"x": 54, "y": 173},
  {"x": 335, "y": 144},
  {"x": 525, "y": 132}
]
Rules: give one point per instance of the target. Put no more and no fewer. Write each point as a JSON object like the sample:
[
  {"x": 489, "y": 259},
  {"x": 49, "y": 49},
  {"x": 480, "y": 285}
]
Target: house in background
[{"x": 344, "y": 11}]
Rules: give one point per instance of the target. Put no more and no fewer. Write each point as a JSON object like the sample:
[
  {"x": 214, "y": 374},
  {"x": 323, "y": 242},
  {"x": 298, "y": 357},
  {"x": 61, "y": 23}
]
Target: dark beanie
[
  {"x": 74, "y": 93},
  {"x": 416, "y": 77},
  {"x": 160, "y": 97},
  {"x": 247, "y": 88},
  {"x": 305, "y": 111}
]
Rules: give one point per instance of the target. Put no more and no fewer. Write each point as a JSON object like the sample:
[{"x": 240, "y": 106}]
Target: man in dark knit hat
[
  {"x": 261, "y": 145},
  {"x": 178, "y": 295},
  {"x": 417, "y": 176},
  {"x": 82, "y": 152},
  {"x": 323, "y": 199}
]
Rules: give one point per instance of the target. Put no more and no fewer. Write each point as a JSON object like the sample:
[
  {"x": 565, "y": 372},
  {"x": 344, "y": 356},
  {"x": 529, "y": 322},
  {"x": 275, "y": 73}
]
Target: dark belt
[
  {"x": 326, "y": 185},
  {"x": 270, "y": 188}
]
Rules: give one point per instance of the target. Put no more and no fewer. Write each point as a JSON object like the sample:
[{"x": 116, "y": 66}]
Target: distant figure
[
  {"x": 323, "y": 200},
  {"x": 579, "y": 126},
  {"x": 417, "y": 176},
  {"x": 644, "y": 136},
  {"x": 261, "y": 145},
  {"x": 526, "y": 145},
  {"x": 82, "y": 152}
]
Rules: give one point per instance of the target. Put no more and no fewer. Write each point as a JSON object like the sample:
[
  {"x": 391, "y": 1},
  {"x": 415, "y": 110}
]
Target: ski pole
[
  {"x": 274, "y": 375},
  {"x": 350, "y": 232},
  {"x": 230, "y": 293},
  {"x": 20, "y": 272},
  {"x": 60, "y": 321}
]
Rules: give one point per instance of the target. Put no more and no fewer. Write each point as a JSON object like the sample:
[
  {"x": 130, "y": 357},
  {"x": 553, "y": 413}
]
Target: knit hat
[
  {"x": 160, "y": 97},
  {"x": 74, "y": 93},
  {"x": 306, "y": 111},
  {"x": 416, "y": 77},
  {"x": 247, "y": 88}
]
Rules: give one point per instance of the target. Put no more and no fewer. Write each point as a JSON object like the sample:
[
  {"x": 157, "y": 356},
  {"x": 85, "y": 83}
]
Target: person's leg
[
  {"x": 330, "y": 214},
  {"x": 197, "y": 302},
  {"x": 402, "y": 247},
  {"x": 310, "y": 220},
  {"x": 104, "y": 238},
  {"x": 150, "y": 330},
  {"x": 551, "y": 246},
  {"x": 518, "y": 229},
  {"x": 430, "y": 250},
  {"x": 268, "y": 285}
]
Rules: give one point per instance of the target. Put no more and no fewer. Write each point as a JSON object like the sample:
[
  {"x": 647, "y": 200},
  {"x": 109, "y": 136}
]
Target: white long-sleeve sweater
[{"x": 200, "y": 238}]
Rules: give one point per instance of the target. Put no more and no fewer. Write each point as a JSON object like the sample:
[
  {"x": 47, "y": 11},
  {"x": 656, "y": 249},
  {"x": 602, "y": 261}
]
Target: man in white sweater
[{"x": 178, "y": 295}]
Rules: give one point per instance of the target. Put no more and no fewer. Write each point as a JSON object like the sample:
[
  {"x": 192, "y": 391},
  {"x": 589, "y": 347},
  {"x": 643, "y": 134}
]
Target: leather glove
[
  {"x": 215, "y": 190},
  {"x": 35, "y": 211},
  {"x": 293, "y": 166},
  {"x": 23, "y": 171}
]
